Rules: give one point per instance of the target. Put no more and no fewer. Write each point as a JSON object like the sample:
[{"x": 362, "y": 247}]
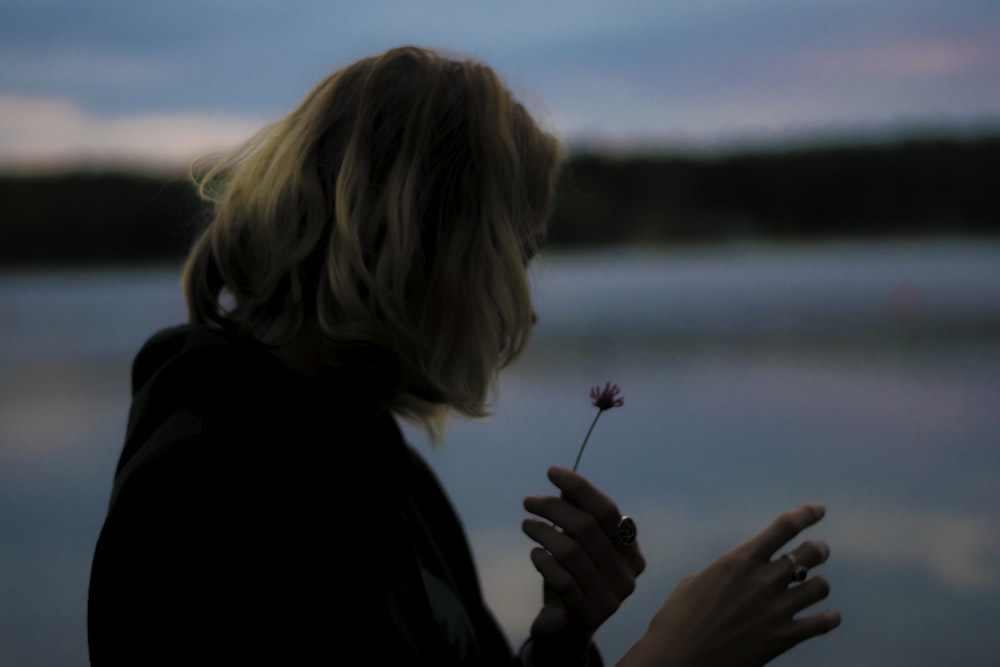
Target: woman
[{"x": 366, "y": 261}]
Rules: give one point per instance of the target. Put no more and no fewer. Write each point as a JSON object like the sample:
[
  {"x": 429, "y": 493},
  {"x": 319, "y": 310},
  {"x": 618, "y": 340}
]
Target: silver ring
[
  {"x": 799, "y": 572},
  {"x": 625, "y": 531}
]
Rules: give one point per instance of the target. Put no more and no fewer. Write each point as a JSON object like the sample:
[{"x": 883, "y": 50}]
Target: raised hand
[{"x": 741, "y": 611}]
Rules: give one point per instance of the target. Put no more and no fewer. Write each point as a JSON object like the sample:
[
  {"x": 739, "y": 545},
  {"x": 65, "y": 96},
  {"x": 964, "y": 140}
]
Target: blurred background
[{"x": 778, "y": 231}]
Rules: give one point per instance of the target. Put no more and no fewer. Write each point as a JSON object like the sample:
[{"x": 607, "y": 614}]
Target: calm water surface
[{"x": 863, "y": 376}]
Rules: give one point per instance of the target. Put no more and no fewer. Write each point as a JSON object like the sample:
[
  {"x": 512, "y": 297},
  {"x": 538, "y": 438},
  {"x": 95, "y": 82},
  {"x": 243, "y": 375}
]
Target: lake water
[{"x": 864, "y": 376}]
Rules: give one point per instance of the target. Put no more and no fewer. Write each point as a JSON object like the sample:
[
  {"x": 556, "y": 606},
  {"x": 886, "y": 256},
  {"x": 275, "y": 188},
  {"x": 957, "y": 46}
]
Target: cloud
[
  {"x": 921, "y": 59},
  {"x": 652, "y": 71},
  {"x": 40, "y": 131},
  {"x": 956, "y": 550}
]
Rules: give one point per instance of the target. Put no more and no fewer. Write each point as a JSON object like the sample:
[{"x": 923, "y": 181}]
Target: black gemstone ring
[
  {"x": 799, "y": 572},
  {"x": 625, "y": 531}
]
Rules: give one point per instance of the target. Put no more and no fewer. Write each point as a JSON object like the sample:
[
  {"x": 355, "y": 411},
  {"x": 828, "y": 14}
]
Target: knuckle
[{"x": 734, "y": 562}]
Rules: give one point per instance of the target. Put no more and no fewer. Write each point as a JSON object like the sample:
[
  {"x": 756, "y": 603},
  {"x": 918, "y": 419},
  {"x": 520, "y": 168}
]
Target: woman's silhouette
[{"x": 365, "y": 260}]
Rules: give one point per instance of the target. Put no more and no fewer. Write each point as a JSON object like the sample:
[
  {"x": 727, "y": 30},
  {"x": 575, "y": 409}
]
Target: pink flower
[
  {"x": 607, "y": 398},
  {"x": 602, "y": 399}
]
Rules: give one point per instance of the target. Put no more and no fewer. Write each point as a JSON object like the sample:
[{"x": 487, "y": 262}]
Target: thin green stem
[{"x": 586, "y": 438}]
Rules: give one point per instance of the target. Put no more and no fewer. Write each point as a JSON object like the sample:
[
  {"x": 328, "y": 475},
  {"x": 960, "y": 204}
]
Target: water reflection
[{"x": 754, "y": 382}]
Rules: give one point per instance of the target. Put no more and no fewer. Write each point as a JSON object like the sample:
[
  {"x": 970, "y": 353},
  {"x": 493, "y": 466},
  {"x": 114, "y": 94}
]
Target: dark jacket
[{"x": 259, "y": 516}]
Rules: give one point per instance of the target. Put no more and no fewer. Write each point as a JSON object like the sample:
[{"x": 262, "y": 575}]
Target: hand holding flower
[
  {"x": 586, "y": 575},
  {"x": 587, "y": 570}
]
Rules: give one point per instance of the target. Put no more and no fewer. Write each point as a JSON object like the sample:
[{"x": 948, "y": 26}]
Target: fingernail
[{"x": 819, "y": 510}]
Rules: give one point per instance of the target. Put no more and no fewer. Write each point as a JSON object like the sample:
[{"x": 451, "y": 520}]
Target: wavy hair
[{"x": 396, "y": 208}]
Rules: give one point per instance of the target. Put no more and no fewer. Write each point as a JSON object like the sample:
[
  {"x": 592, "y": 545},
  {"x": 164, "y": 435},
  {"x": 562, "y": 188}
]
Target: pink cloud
[
  {"x": 44, "y": 131},
  {"x": 918, "y": 59}
]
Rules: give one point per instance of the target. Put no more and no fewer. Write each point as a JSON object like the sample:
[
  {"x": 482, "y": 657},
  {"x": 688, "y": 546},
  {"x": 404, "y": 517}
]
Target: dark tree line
[
  {"x": 916, "y": 188},
  {"x": 81, "y": 218},
  {"x": 913, "y": 188}
]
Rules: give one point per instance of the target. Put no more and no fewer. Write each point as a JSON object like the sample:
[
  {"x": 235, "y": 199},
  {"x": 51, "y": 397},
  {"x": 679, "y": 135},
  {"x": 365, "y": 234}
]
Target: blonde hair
[{"x": 397, "y": 208}]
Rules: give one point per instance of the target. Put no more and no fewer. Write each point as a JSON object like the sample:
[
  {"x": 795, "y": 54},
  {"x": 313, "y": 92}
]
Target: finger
[
  {"x": 604, "y": 586},
  {"x": 598, "y": 585},
  {"x": 783, "y": 530},
  {"x": 806, "y": 627},
  {"x": 587, "y": 529},
  {"x": 578, "y": 490},
  {"x": 812, "y": 553},
  {"x": 550, "y": 620},
  {"x": 577, "y": 523},
  {"x": 558, "y": 580},
  {"x": 808, "y": 554},
  {"x": 567, "y": 551},
  {"x": 807, "y": 594}
]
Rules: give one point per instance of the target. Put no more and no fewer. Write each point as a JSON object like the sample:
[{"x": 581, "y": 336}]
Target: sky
[{"x": 162, "y": 82}]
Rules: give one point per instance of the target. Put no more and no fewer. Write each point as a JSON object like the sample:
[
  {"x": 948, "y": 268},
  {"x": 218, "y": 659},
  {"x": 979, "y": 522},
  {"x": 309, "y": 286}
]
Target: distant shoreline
[{"x": 915, "y": 188}]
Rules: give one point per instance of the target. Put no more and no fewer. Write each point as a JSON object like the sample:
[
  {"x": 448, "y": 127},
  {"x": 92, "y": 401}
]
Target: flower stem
[{"x": 586, "y": 438}]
